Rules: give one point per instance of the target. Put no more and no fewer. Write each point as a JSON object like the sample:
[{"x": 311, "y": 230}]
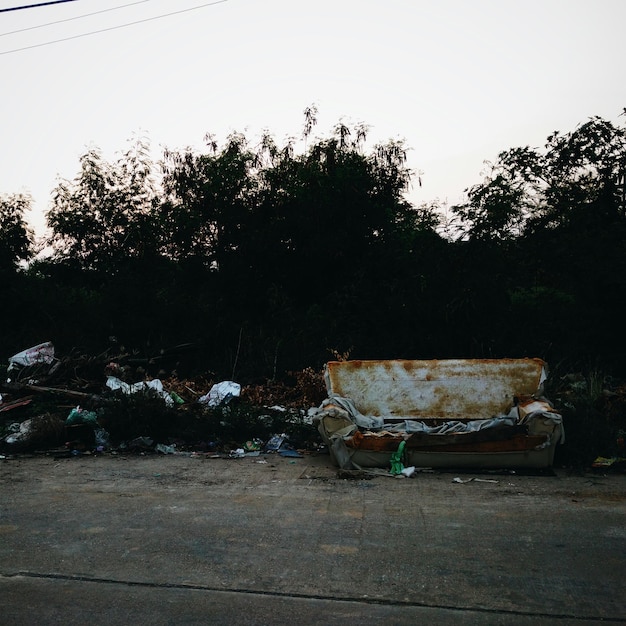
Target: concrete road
[{"x": 271, "y": 540}]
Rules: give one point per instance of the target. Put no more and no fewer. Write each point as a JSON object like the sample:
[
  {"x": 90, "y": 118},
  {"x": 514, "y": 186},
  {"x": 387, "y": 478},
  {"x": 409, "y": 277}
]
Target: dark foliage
[
  {"x": 259, "y": 260},
  {"x": 255, "y": 261}
]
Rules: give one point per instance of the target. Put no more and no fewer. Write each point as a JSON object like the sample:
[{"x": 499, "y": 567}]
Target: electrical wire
[
  {"x": 69, "y": 19},
  {"x": 34, "y": 6},
  {"x": 104, "y": 30}
]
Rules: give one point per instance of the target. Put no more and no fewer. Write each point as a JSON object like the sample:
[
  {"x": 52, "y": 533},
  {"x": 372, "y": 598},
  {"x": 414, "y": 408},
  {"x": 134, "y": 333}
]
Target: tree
[
  {"x": 294, "y": 240},
  {"x": 548, "y": 227},
  {"x": 334, "y": 204},
  {"x": 207, "y": 200},
  {"x": 267, "y": 210},
  {"x": 16, "y": 238},
  {"x": 578, "y": 177},
  {"x": 106, "y": 214}
]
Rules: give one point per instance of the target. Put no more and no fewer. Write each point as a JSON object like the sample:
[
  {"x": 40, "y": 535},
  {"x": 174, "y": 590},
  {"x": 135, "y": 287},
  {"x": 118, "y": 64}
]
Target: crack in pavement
[{"x": 302, "y": 596}]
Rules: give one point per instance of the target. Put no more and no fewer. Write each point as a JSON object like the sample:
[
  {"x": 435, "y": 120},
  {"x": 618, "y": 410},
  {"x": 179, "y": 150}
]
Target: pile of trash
[{"x": 83, "y": 405}]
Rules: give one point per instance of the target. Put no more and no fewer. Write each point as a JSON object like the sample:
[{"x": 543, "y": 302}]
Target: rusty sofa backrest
[{"x": 440, "y": 390}]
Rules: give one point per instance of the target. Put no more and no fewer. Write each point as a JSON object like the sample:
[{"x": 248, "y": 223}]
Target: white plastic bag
[
  {"x": 42, "y": 353},
  {"x": 221, "y": 393}
]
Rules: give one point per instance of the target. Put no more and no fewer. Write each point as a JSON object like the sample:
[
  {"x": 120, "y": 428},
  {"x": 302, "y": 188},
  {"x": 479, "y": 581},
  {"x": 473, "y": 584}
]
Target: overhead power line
[
  {"x": 34, "y": 6},
  {"x": 70, "y": 19},
  {"x": 104, "y": 30}
]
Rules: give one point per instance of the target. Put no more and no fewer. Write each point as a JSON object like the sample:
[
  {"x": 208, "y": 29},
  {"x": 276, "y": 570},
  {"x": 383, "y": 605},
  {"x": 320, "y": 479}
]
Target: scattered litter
[
  {"x": 177, "y": 399},
  {"x": 253, "y": 445},
  {"x": 42, "y": 353},
  {"x": 80, "y": 416},
  {"x": 155, "y": 385},
  {"x": 33, "y": 432},
  {"x": 408, "y": 471},
  {"x": 138, "y": 443},
  {"x": 20, "y": 432},
  {"x": 603, "y": 461},
  {"x": 93, "y": 417},
  {"x": 396, "y": 459},
  {"x": 102, "y": 439},
  {"x": 290, "y": 453},
  {"x": 457, "y": 479},
  {"x": 221, "y": 393},
  {"x": 275, "y": 442}
]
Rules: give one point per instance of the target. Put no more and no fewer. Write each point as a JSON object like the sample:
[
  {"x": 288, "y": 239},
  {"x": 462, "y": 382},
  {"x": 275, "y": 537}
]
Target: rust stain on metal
[{"x": 433, "y": 389}]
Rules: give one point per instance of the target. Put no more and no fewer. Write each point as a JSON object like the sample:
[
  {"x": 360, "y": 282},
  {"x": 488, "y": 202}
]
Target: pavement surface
[{"x": 175, "y": 539}]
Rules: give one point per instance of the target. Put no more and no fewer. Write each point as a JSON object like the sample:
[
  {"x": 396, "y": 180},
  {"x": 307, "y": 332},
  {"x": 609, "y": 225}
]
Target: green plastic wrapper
[
  {"x": 78, "y": 416},
  {"x": 396, "y": 459}
]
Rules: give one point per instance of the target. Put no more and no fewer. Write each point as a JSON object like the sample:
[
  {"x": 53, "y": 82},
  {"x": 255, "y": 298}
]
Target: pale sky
[{"x": 458, "y": 80}]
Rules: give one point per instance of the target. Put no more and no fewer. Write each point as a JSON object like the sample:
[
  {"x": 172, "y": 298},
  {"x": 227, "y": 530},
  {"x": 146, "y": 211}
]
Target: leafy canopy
[{"x": 16, "y": 238}]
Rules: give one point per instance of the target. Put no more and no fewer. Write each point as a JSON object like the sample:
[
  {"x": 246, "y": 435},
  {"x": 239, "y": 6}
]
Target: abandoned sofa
[{"x": 457, "y": 413}]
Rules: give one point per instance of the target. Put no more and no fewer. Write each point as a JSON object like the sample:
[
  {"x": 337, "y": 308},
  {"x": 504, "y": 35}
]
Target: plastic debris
[
  {"x": 19, "y": 432},
  {"x": 221, "y": 393},
  {"x": 138, "y": 443},
  {"x": 177, "y": 399},
  {"x": 603, "y": 461},
  {"x": 252, "y": 445},
  {"x": 155, "y": 385},
  {"x": 42, "y": 353},
  {"x": 102, "y": 439},
  {"x": 396, "y": 460},
  {"x": 275, "y": 442},
  {"x": 80, "y": 416},
  {"x": 290, "y": 453},
  {"x": 97, "y": 385},
  {"x": 161, "y": 447}
]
